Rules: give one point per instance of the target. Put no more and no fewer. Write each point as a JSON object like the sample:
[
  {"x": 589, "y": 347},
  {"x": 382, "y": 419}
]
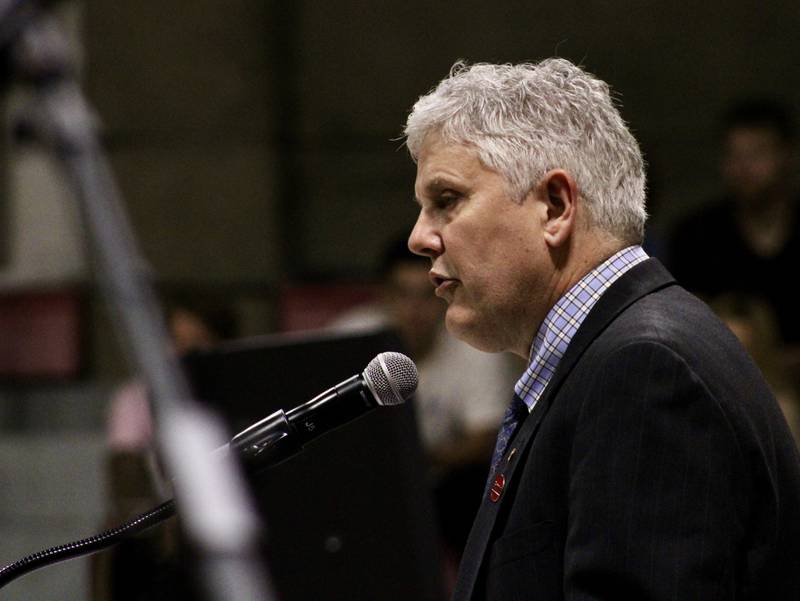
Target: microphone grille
[{"x": 392, "y": 377}]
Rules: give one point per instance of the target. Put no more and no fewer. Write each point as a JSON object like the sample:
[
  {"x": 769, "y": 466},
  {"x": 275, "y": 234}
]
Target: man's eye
[{"x": 446, "y": 200}]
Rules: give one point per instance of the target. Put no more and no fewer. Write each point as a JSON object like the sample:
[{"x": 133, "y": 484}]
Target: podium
[{"x": 351, "y": 517}]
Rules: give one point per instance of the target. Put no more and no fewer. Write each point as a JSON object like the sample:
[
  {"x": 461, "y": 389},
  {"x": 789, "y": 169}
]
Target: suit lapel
[
  {"x": 487, "y": 514},
  {"x": 642, "y": 279}
]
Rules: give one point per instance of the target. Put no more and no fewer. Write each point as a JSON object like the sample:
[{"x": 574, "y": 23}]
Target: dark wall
[
  {"x": 676, "y": 65},
  {"x": 256, "y": 139},
  {"x": 183, "y": 91}
]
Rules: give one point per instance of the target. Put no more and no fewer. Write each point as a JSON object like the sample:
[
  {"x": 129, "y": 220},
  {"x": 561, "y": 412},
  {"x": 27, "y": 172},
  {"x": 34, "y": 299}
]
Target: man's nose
[{"x": 425, "y": 239}]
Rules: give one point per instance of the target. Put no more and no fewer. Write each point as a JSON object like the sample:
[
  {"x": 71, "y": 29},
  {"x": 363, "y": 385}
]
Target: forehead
[{"x": 442, "y": 164}]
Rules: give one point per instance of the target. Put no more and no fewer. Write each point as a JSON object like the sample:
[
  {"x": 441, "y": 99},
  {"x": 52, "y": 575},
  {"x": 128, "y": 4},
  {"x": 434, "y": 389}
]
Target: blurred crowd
[{"x": 740, "y": 250}]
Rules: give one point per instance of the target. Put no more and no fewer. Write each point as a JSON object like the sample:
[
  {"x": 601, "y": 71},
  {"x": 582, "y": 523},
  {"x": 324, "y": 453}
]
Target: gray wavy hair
[{"x": 529, "y": 118}]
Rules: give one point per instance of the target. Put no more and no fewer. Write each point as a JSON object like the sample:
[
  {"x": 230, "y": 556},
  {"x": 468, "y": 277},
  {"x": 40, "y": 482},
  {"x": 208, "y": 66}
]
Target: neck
[
  {"x": 589, "y": 251},
  {"x": 570, "y": 265}
]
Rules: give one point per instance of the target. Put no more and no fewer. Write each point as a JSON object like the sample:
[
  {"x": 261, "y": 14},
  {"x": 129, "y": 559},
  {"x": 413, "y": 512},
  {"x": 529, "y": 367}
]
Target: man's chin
[{"x": 465, "y": 326}]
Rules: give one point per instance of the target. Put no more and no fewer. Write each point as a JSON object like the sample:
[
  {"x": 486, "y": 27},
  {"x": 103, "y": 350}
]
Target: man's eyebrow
[{"x": 440, "y": 183}]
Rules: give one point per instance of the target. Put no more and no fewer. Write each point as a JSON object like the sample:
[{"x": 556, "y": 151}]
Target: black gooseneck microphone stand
[{"x": 211, "y": 496}]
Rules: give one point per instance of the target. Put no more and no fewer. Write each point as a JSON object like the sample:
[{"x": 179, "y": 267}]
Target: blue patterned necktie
[{"x": 516, "y": 412}]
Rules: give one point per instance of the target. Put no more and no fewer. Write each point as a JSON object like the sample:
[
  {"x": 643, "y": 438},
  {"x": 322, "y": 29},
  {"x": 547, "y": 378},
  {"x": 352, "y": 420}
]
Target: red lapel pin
[{"x": 497, "y": 488}]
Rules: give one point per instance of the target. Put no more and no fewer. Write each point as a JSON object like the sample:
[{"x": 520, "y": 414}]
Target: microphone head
[{"x": 392, "y": 378}]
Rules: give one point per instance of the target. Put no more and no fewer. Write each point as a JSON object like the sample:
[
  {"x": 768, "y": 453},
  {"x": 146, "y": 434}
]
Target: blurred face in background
[
  {"x": 754, "y": 163},
  {"x": 189, "y": 332},
  {"x": 413, "y": 308}
]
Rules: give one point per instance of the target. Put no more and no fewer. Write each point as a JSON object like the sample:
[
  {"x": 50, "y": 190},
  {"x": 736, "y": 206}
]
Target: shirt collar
[{"x": 564, "y": 319}]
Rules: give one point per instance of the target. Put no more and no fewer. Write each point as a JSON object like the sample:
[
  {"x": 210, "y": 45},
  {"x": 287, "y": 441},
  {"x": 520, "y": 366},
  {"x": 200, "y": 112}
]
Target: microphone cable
[{"x": 87, "y": 546}]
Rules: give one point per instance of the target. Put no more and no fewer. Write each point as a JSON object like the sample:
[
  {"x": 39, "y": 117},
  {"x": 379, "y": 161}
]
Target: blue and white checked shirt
[{"x": 565, "y": 318}]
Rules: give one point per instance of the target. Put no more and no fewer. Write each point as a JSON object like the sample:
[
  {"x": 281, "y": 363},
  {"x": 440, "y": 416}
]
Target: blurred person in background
[
  {"x": 748, "y": 240},
  {"x": 753, "y": 322},
  {"x": 462, "y": 392}
]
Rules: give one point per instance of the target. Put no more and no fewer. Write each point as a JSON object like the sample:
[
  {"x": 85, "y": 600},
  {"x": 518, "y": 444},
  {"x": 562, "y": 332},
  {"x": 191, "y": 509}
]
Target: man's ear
[{"x": 560, "y": 193}]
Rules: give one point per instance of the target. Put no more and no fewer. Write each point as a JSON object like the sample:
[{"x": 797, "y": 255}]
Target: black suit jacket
[{"x": 657, "y": 465}]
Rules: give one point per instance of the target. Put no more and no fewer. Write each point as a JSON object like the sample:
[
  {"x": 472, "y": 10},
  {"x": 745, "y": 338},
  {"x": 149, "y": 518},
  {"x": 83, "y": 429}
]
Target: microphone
[{"x": 389, "y": 379}]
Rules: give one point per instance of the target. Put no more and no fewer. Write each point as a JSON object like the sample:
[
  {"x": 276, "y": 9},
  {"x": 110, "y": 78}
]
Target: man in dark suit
[{"x": 642, "y": 456}]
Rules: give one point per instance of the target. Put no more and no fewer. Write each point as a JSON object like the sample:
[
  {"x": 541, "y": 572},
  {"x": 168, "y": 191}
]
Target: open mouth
[
  {"x": 441, "y": 283},
  {"x": 444, "y": 286}
]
